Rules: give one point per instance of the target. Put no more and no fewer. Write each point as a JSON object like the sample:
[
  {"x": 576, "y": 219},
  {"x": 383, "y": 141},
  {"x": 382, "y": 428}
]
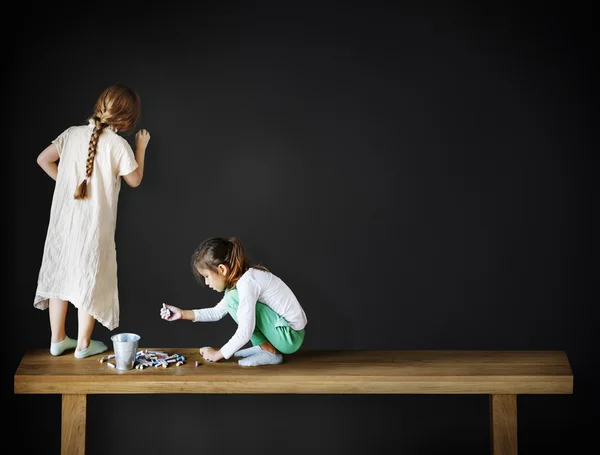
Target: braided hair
[
  {"x": 117, "y": 107},
  {"x": 81, "y": 192}
]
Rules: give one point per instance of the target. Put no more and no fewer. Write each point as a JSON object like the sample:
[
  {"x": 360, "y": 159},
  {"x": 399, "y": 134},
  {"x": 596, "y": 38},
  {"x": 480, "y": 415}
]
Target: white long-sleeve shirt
[{"x": 255, "y": 285}]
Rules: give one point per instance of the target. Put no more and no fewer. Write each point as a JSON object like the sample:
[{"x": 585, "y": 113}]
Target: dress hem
[{"x": 41, "y": 302}]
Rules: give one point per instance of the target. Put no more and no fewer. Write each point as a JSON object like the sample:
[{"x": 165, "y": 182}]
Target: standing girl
[
  {"x": 266, "y": 310},
  {"x": 79, "y": 262}
]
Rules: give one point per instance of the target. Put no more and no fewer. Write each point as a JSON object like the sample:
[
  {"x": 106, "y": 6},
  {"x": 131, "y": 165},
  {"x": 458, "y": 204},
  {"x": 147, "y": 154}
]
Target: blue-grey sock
[
  {"x": 62, "y": 346},
  {"x": 248, "y": 351},
  {"x": 95, "y": 347},
  {"x": 261, "y": 358}
]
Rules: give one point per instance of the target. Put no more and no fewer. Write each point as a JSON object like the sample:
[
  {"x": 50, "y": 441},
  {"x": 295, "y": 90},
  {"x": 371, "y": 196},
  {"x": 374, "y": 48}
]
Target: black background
[{"x": 422, "y": 178}]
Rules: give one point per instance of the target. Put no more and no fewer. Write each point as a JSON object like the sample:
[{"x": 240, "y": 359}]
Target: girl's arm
[
  {"x": 47, "y": 160},
  {"x": 248, "y": 293},
  {"x": 173, "y": 313},
  {"x": 215, "y": 313},
  {"x": 134, "y": 178},
  {"x": 187, "y": 315}
]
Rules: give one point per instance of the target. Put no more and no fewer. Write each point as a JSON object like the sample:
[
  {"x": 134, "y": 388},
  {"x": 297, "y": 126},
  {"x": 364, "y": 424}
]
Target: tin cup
[{"x": 125, "y": 346}]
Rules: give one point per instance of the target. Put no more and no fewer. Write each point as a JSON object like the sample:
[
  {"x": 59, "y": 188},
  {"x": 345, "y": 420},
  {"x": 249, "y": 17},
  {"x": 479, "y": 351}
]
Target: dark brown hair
[
  {"x": 218, "y": 250},
  {"x": 118, "y": 106}
]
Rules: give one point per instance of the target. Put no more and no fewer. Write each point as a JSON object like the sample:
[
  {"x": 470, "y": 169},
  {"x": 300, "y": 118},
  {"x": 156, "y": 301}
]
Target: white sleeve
[
  {"x": 248, "y": 292},
  {"x": 61, "y": 140},
  {"x": 126, "y": 162},
  {"x": 211, "y": 314}
]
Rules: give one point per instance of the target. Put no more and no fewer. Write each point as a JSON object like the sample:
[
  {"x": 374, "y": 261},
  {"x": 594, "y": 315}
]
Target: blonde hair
[
  {"x": 217, "y": 250},
  {"x": 118, "y": 107}
]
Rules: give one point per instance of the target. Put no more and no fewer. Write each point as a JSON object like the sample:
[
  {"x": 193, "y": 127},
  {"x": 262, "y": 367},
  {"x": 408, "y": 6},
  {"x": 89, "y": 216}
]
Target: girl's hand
[
  {"x": 141, "y": 139},
  {"x": 210, "y": 354},
  {"x": 170, "y": 313}
]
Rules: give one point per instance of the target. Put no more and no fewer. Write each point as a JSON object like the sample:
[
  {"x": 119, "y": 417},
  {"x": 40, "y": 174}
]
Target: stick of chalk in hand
[{"x": 167, "y": 312}]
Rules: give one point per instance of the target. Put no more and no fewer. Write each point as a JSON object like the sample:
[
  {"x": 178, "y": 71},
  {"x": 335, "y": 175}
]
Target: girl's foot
[
  {"x": 62, "y": 346},
  {"x": 248, "y": 351},
  {"x": 95, "y": 347},
  {"x": 261, "y": 358}
]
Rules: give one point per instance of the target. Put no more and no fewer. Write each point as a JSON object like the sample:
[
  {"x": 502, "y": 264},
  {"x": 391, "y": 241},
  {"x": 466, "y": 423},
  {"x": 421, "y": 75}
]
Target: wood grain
[
  {"x": 311, "y": 372},
  {"x": 503, "y": 424},
  {"x": 74, "y": 409}
]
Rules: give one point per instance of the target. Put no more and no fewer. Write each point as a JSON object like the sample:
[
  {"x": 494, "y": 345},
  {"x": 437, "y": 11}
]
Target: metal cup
[{"x": 125, "y": 346}]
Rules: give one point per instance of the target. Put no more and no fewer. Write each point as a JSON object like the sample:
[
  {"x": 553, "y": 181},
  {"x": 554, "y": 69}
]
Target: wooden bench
[{"x": 500, "y": 374}]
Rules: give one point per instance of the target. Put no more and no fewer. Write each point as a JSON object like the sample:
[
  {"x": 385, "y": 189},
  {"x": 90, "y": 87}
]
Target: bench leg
[
  {"x": 74, "y": 408},
  {"x": 503, "y": 424}
]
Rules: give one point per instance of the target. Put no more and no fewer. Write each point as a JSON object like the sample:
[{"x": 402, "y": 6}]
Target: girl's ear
[{"x": 223, "y": 270}]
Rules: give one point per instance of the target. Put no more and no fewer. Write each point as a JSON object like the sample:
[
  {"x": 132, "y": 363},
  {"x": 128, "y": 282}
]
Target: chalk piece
[
  {"x": 196, "y": 363},
  {"x": 110, "y": 364}
]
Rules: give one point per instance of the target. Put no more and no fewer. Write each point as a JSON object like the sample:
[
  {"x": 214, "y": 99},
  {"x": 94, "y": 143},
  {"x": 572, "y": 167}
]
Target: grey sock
[
  {"x": 62, "y": 346},
  {"x": 248, "y": 351},
  {"x": 261, "y": 358},
  {"x": 95, "y": 347}
]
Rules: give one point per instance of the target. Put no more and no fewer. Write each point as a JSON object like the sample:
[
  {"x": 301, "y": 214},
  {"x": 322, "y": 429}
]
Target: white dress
[{"x": 79, "y": 262}]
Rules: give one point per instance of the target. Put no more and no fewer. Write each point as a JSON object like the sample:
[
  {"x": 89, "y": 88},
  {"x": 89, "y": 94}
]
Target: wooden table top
[{"x": 307, "y": 372}]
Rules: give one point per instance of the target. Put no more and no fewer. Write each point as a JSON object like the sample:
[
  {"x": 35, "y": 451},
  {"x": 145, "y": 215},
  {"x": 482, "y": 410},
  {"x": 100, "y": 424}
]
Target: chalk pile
[{"x": 149, "y": 358}]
